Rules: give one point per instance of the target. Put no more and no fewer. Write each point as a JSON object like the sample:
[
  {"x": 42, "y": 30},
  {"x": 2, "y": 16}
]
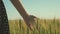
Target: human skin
[{"x": 23, "y": 13}]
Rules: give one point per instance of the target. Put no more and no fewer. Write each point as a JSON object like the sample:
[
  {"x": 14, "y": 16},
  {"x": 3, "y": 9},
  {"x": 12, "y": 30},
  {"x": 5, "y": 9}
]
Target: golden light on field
[{"x": 42, "y": 26}]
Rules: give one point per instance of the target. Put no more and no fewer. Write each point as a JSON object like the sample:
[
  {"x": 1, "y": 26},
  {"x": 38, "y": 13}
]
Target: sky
[{"x": 45, "y": 9}]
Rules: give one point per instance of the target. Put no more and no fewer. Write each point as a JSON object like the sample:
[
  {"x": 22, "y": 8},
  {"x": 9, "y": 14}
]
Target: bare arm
[
  {"x": 20, "y": 8},
  {"x": 28, "y": 19}
]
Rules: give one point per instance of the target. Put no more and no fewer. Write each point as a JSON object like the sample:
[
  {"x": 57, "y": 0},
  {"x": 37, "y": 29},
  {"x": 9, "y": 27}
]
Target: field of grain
[{"x": 42, "y": 26}]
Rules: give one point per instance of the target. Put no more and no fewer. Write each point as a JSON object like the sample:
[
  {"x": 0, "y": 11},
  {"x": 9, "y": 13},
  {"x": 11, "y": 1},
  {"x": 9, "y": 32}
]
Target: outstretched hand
[{"x": 31, "y": 21}]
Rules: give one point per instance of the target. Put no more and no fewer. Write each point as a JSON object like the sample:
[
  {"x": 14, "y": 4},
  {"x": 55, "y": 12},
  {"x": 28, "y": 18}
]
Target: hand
[{"x": 31, "y": 21}]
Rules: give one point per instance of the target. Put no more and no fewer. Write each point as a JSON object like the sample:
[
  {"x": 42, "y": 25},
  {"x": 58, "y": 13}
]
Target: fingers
[{"x": 31, "y": 22}]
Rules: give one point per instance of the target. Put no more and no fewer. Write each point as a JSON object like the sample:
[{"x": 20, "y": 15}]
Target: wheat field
[{"x": 42, "y": 26}]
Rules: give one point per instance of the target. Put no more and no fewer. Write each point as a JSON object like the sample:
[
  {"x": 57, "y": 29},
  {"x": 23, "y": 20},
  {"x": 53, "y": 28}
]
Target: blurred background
[{"x": 47, "y": 11}]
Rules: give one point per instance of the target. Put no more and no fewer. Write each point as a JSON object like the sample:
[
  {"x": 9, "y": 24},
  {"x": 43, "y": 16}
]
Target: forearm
[{"x": 19, "y": 7}]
